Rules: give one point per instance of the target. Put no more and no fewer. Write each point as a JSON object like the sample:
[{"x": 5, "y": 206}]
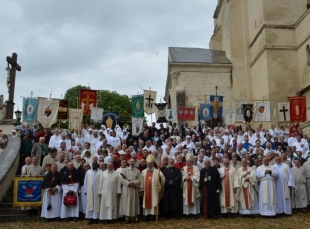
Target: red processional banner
[
  {"x": 298, "y": 108},
  {"x": 186, "y": 113},
  {"x": 88, "y": 100}
]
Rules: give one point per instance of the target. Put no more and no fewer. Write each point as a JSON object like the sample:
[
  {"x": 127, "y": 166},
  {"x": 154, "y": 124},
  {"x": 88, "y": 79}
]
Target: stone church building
[{"x": 259, "y": 50}]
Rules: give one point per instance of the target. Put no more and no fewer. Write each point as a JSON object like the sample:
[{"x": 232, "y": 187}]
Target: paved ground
[{"x": 297, "y": 221}]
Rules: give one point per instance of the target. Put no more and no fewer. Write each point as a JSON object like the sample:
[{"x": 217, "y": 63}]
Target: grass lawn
[{"x": 298, "y": 220}]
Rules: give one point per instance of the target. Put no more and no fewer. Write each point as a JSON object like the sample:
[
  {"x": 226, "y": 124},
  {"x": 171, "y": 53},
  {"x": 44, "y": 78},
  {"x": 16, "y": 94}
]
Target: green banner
[{"x": 137, "y": 106}]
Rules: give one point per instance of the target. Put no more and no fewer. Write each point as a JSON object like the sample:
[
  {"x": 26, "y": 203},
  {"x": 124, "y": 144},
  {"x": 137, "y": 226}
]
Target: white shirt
[
  {"x": 291, "y": 141},
  {"x": 54, "y": 141}
]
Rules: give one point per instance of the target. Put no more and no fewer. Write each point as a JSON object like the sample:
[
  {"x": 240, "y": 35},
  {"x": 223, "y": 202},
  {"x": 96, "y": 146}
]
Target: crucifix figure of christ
[
  {"x": 284, "y": 110},
  {"x": 149, "y": 102},
  {"x": 87, "y": 101},
  {"x": 11, "y": 83}
]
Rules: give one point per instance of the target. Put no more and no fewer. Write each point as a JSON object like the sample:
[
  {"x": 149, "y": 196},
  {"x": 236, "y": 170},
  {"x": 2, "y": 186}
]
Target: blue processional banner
[
  {"x": 30, "y": 110},
  {"x": 216, "y": 106},
  {"x": 205, "y": 112},
  {"x": 28, "y": 192}
]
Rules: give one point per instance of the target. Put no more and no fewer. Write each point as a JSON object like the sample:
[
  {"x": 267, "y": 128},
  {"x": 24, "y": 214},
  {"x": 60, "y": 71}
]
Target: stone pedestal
[{"x": 7, "y": 125}]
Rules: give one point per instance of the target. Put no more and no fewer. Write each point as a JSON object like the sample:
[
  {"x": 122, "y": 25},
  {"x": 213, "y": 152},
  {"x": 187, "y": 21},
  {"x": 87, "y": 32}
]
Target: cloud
[{"x": 113, "y": 45}]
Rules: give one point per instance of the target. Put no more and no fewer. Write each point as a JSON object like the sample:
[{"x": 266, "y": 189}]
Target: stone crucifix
[{"x": 11, "y": 83}]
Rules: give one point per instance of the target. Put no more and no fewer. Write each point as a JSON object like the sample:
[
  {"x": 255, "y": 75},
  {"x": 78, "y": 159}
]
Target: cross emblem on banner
[
  {"x": 87, "y": 101},
  {"x": 284, "y": 110},
  {"x": 149, "y": 102}
]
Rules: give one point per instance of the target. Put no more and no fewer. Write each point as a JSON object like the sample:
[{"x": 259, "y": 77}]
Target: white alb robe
[
  {"x": 306, "y": 166},
  {"x": 285, "y": 179},
  {"x": 109, "y": 187},
  {"x": 187, "y": 208},
  {"x": 299, "y": 192},
  {"x": 267, "y": 190},
  {"x": 72, "y": 211},
  {"x": 90, "y": 190},
  {"x": 54, "y": 200}
]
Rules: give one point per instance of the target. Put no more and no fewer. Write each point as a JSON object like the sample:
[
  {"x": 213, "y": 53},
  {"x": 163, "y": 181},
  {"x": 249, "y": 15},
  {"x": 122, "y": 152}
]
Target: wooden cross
[
  {"x": 216, "y": 90},
  {"x": 87, "y": 101},
  {"x": 14, "y": 66},
  {"x": 284, "y": 110}
]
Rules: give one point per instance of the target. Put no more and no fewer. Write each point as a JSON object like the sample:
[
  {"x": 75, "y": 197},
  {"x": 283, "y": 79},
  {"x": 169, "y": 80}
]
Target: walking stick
[{"x": 159, "y": 183}]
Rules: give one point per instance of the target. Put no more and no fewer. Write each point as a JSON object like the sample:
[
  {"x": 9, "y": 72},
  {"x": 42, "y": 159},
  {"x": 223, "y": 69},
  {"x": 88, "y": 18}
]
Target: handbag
[{"x": 70, "y": 199}]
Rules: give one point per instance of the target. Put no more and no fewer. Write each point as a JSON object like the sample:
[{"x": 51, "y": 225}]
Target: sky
[{"x": 114, "y": 45}]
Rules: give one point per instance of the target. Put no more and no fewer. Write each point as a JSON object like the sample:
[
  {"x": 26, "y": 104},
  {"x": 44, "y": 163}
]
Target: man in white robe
[
  {"x": 52, "y": 195},
  {"x": 109, "y": 189},
  {"x": 129, "y": 202},
  {"x": 306, "y": 166},
  {"x": 300, "y": 200},
  {"x": 284, "y": 184},
  {"x": 229, "y": 189},
  {"x": 191, "y": 193},
  {"x": 247, "y": 195},
  {"x": 90, "y": 189},
  {"x": 151, "y": 188},
  {"x": 267, "y": 174},
  {"x": 120, "y": 170}
]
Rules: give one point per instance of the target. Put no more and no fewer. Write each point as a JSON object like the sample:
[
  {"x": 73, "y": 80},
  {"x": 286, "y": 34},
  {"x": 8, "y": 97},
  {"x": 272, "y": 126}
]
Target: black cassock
[
  {"x": 210, "y": 182},
  {"x": 172, "y": 200},
  {"x": 68, "y": 177},
  {"x": 51, "y": 180}
]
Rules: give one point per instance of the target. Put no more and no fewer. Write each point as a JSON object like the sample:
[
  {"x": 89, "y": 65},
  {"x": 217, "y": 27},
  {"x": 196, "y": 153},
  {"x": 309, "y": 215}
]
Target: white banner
[
  {"x": 75, "y": 119},
  {"x": 262, "y": 111},
  {"x": 230, "y": 116},
  {"x": 149, "y": 100},
  {"x": 171, "y": 114},
  {"x": 239, "y": 110},
  {"x": 96, "y": 114},
  {"x": 137, "y": 124},
  {"x": 284, "y": 112},
  {"x": 47, "y": 111}
]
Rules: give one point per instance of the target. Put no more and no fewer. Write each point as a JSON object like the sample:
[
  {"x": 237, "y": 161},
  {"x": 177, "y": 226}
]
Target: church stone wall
[
  {"x": 256, "y": 17},
  {"x": 200, "y": 81}
]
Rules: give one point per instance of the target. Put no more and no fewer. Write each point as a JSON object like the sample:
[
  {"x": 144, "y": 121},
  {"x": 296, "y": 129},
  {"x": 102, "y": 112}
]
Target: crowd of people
[{"x": 176, "y": 171}]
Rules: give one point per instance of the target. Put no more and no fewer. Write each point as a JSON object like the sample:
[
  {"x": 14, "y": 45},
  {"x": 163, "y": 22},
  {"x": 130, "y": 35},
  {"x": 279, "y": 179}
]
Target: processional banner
[
  {"x": 75, "y": 119},
  {"x": 171, "y": 114},
  {"x": 110, "y": 119},
  {"x": 88, "y": 100},
  {"x": 186, "y": 113},
  {"x": 298, "y": 110},
  {"x": 284, "y": 112},
  {"x": 205, "y": 111},
  {"x": 47, "y": 111},
  {"x": 239, "y": 110},
  {"x": 137, "y": 103},
  {"x": 30, "y": 109},
  {"x": 149, "y": 100},
  {"x": 137, "y": 124},
  {"x": 63, "y": 109},
  {"x": 230, "y": 116},
  {"x": 248, "y": 112},
  {"x": 161, "y": 112},
  {"x": 28, "y": 192},
  {"x": 96, "y": 114},
  {"x": 216, "y": 106},
  {"x": 262, "y": 111}
]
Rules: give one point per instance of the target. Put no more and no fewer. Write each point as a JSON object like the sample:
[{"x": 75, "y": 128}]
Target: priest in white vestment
[
  {"x": 151, "y": 188},
  {"x": 52, "y": 195},
  {"x": 90, "y": 189},
  {"x": 306, "y": 166},
  {"x": 299, "y": 200},
  {"x": 129, "y": 203},
  {"x": 267, "y": 174},
  {"x": 120, "y": 170},
  {"x": 284, "y": 184},
  {"x": 190, "y": 184},
  {"x": 247, "y": 195},
  {"x": 230, "y": 186},
  {"x": 109, "y": 189}
]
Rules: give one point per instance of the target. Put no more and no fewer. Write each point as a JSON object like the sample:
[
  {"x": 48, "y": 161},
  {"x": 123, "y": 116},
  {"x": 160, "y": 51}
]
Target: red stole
[
  {"x": 148, "y": 189},
  {"x": 227, "y": 189},
  {"x": 190, "y": 187}
]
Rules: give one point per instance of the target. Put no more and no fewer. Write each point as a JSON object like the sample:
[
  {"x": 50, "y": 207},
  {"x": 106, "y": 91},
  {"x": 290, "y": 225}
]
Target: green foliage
[{"x": 106, "y": 99}]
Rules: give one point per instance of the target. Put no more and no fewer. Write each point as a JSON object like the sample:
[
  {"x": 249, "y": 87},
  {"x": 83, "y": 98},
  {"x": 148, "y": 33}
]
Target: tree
[{"x": 109, "y": 101}]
